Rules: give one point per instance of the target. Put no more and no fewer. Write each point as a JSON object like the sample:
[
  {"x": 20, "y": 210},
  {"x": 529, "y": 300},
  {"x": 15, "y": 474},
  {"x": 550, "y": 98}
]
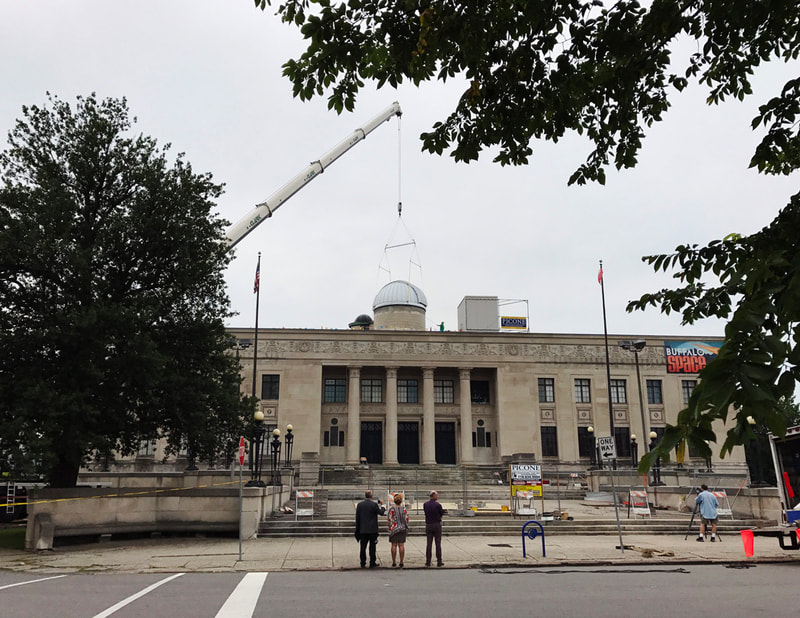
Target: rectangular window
[
  {"x": 333, "y": 437},
  {"x": 442, "y": 391},
  {"x": 479, "y": 391},
  {"x": 371, "y": 390},
  {"x": 270, "y": 385},
  {"x": 549, "y": 442},
  {"x": 622, "y": 438},
  {"x": 619, "y": 392},
  {"x": 147, "y": 448},
  {"x": 583, "y": 391},
  {"x": 585, "y": 442},
  {"x": 407, "y": 391},
  {"x": 654, "y": 392},
  {"x": 335, "y": 390},
  {"x": 547, "y": 390},
  {"x": 687, "y": 386}
]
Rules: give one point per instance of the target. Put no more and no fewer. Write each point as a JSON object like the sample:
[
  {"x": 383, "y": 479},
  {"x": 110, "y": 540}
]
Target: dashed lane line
[
  {"x": 138, "y": 595},
  {"x": 30, "y": 581}
]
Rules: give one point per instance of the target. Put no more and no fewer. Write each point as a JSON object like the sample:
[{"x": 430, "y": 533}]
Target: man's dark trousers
[
  {"x": 433, "y": 532},
  {"x": 372, "y": 539}
]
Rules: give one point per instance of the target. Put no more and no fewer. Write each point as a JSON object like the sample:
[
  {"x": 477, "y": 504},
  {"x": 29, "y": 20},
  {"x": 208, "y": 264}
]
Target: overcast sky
[{"x": 205, "y": 76}]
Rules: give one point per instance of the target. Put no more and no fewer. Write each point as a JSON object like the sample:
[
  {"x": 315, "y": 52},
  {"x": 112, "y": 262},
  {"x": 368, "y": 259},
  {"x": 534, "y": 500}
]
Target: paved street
[{"x": 598, "y": 591}]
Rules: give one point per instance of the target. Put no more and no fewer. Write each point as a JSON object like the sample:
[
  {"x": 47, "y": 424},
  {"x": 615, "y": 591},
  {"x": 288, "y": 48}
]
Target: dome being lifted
[
  {"x": 400, "y": 305},
  {"x": 400, "y": 293}
]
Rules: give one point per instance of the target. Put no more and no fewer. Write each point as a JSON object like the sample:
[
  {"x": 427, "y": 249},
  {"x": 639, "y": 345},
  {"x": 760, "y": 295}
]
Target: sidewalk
[{"x": 324, "y": 553}]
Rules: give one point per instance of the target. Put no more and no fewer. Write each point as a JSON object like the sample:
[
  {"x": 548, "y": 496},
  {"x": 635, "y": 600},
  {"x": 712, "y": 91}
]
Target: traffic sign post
[{"x": 607, "y": 449}]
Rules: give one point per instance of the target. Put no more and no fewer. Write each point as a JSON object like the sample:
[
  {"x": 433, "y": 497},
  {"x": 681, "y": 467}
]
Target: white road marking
[
  {"x": 133, "y": 597},
  {"x": 242, "y": 602},
  {"x": 32, "y": 581}
]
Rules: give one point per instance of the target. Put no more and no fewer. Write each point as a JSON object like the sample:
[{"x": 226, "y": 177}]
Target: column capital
[
  {"x": 464, "y": 373},
  {"x": 427, "y": 372},
  {"x": 354, "y": 371},
  {"x": 391, "y": 372}
]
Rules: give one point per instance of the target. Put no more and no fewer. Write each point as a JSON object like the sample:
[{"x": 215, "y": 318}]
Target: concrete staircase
[{"x": 506, "y": 525}]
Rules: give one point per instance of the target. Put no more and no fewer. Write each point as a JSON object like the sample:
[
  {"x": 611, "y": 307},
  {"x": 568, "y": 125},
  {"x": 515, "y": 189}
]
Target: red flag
[
  {"x": 789, "y": 490},
  {"x": 600, "y": 276},
  {"x": 258, "y": 278}
]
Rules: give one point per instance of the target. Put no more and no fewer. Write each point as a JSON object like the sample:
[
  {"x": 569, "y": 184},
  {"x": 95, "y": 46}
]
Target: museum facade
[{"x": 389, "y": 392}]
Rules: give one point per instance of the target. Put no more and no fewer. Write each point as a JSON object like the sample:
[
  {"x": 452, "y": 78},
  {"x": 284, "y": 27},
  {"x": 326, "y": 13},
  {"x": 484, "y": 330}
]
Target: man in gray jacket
[{"x": 367, "y": 513}]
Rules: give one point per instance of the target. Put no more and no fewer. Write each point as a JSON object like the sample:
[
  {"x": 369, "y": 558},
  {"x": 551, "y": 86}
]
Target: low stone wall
[{"x": 93, "y": 511}]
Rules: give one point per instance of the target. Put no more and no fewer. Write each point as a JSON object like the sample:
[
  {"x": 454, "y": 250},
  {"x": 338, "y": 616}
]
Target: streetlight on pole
[
  {"x": 759, "y": 480},
  {"x": 637, "y": 346},
  {"x": 634, "y": 451},
  {"x": 257, "y": 451},
  {"x": 590, "y": 431},
  {"x": 657, "y": 464},
  {"x": 275, "y": 478},
  {"x": 289, "y": 439}
]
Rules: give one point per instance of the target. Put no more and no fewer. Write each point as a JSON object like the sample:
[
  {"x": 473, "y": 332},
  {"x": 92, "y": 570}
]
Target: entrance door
[
  {"x": 372, "y": 441},
  {"x": 445, "y": 443},
  {"x": 408, "y": 443}
]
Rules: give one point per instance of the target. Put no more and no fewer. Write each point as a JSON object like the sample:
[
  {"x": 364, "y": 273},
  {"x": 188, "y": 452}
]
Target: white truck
[
  {"x": 786, "y": 459},
  {"x": 264, "y": 210}
]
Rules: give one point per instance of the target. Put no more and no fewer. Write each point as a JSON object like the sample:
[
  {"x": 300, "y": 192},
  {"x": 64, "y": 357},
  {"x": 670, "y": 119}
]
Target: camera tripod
[{"x": 691, "y": 521}]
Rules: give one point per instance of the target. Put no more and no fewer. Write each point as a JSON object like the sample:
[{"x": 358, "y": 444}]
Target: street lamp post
[
  {"x": 637, "y": 346},
  {"x": 289, "y": 439},
  {"x": 657, "y": 464},
  {"x": 634, "y": 451},
  {"x": 590, "y": 431},
  {"x": 275, "y": 478},
  {"x": 759, "y": 480},
  {"x": 257, "y": 450}
]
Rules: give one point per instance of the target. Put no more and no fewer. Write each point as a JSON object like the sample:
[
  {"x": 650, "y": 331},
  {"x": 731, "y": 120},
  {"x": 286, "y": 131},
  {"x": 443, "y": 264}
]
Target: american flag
[{"x": 258, "y": 278}]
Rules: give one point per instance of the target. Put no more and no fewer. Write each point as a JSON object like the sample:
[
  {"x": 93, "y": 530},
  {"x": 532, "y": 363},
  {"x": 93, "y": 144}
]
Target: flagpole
[{"x": 608, "y": 361}]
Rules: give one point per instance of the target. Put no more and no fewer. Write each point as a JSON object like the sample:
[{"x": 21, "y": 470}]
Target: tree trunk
[{"x": 64, "y": 472}]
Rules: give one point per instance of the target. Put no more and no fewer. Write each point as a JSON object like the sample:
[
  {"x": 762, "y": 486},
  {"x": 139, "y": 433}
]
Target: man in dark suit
[{"x": 367, "y": 513}]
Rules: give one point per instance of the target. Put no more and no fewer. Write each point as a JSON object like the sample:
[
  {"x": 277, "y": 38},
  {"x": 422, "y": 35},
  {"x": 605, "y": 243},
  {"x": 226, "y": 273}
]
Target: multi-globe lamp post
[
  {"x": 258, "y": 447},
  {"x": 758, "y": 481},
  {"x": 657, "y": 482},
  {"x": 289, "y": 439},
  {"x": 590, "y": 431},
  {"x": 275, "y": 477}
]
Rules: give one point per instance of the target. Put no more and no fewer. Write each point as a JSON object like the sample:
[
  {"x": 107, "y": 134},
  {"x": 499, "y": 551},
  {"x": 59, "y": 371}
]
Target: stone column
[
  {"x": 465, "y": 401},
  {"x": 428, "y": 419},
  {"x": 390, "y": 432},
  {"x": 353, "y": 415}
]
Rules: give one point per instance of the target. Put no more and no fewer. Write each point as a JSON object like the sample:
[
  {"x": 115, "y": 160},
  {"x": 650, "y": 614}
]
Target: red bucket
[{"x": 747, "y": 539}]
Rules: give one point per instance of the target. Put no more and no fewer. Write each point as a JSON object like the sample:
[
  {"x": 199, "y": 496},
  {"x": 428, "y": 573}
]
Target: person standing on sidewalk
[
  {"x": 708, "y": 512},
  {"x": 433, "y": 528},
  {"x": 398, "y": 529},
  {"x": 367, "y": 513}
]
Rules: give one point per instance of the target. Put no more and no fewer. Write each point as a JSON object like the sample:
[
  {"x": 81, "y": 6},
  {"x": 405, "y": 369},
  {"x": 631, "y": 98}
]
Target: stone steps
[{"x": 488, "y": 525}]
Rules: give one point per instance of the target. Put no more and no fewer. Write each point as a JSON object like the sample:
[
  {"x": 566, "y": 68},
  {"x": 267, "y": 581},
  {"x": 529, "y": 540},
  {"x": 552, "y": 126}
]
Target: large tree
[
  {"x": 112, "y": 297},
  {"x": 536, "y": 70}
]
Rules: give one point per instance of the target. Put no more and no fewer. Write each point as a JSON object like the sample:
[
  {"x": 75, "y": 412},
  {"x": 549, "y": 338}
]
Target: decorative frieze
[{"x": 416, "y": 351}]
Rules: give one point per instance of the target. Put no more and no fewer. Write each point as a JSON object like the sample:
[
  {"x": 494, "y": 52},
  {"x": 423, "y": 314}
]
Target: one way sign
[{"x": 607, "y": 448}]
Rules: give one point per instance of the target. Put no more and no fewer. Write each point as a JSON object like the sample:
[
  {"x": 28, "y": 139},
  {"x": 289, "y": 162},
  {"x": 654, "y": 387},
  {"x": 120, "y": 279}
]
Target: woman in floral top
[{"x": 398, "y": 529}]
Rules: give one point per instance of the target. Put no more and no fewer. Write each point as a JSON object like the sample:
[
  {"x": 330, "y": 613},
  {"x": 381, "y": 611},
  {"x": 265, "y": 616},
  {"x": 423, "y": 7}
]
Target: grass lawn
[{"x": 12, "y": 538}]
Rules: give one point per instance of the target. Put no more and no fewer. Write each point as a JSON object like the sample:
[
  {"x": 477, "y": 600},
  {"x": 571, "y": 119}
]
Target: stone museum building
[{"x": 387, "y": 391}]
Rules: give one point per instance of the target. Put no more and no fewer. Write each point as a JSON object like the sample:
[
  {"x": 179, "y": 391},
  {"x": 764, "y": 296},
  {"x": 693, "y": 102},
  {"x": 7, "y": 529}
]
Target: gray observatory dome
[{"x": 400, "y": 305}]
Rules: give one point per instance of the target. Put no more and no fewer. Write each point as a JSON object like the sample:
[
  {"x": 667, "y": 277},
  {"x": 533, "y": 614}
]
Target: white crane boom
[{"x": 265, "y": 209}]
